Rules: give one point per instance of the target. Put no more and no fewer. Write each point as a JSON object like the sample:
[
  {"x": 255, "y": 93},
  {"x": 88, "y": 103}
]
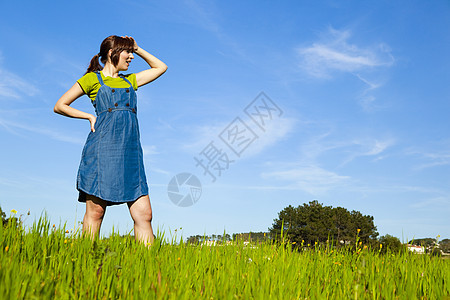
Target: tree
[
  {"x": 14, "y": 221},
  {"x": 314, "y": 222},
  {"x": 390, "y": 243},
  {"x": 444, "y": 245},
  {"x": 2, "y": 213}
]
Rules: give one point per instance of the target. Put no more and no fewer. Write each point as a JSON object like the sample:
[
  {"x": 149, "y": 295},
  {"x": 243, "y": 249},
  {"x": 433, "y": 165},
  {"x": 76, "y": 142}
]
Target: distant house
[{"x": 416, "y": 249}]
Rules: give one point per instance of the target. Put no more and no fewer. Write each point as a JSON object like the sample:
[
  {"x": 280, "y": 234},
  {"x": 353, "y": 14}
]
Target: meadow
[{"x": 47, "y": 261}]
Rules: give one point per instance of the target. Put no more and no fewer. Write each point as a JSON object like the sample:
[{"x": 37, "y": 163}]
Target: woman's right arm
[{"x": 62, "y": 106}]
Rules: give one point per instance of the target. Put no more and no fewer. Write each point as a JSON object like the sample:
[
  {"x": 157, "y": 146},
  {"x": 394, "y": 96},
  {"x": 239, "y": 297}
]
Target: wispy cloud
[
  {"x": 442, "y": 202},
  {"x": 311, "y": 179},
  {"x": 313, "y": 171},
  {"x": 204, "y": 15},
  {"x": 335, "y": 53},
  {"x": 16, "y": 128},
  {"x": 438, "y": 156},
  {"x": 275, "y": 131},
  {"x": 14, "y": 86}
]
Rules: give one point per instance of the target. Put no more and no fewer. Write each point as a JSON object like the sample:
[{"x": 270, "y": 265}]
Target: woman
[{"x": 111, "y": 169}]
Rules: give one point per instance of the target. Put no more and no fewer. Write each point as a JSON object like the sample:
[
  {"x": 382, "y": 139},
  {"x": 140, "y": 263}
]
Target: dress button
[
  {"x": 115, "y": 104},
  {"x": 113, "y": 90},
  {"x": 109, "y": 109},
  {"x": 127, "y": 90},
  {"x": 128, "y": 104}
]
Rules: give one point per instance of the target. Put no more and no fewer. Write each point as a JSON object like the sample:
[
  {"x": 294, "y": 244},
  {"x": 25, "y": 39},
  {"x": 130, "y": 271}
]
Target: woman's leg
[
  {"x": 141, "y": 212},
  {"x": 95, "y": 210}
]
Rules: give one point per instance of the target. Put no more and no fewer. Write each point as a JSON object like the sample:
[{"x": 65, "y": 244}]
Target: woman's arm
[
  {"x": 157, "y": 67},
  {"x": 62, "y": 106}
]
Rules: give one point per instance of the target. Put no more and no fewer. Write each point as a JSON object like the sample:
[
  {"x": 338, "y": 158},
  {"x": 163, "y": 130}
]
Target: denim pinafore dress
[{"x": 112, "y": 166}]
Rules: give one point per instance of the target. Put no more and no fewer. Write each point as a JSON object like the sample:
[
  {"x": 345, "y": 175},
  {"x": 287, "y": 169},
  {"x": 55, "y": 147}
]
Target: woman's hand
[
  {"x": 135, "y": 45},
  {"x": 63, "y": 106},
  {"x": 92, "y": 119},
  {"x": 157, "y": 67}
]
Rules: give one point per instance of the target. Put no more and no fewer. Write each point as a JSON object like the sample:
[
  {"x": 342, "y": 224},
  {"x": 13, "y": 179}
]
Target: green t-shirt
[{"x": 90, "y": 84}]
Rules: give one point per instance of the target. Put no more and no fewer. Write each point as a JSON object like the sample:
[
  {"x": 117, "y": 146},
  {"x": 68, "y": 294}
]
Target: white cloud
[
  {"x": 441, "y": 202},
  {"x": 13, "y": 86},
  {"x": 439, "y": 156},
  {"x": 13, "y": 128},
  {"x": 275, "y": 131},
  {"x": 335, "y": 53},
  {"x": 311, "y": 179}
]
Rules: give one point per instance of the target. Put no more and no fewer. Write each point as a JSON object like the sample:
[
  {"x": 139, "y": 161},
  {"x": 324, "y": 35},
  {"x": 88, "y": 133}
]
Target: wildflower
[
  {"x": 365, "y": 246},
  {"x": 360, "y": 243},
  {"x": 309, "y": 245},
  {"x": 179, "y": 258},
  {"x": 315, "y": 243},
  {"x": 13, "y": 211},
  {"x": 381, "y": 246},
  {"x": 67, "y": 231},
  {"x": 358, "y": 230},
  {"x": 54, "y": 225},
  {"x": 65, "y": 241},
  {"x": 6, "y": 248}
]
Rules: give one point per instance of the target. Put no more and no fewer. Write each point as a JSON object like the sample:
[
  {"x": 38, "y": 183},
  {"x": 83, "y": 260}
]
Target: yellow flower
[
  {"x": 264, "y": 234},
  {"x": 179, "y": 258},
  {"x": 13, "y": 211},
  {"x": 360, "y": 243},
  {"x": 293, "y": 243},
  {"x": 358, "y": 230},
  {"x": 309, "y": 245},
  {"x": 6, "y": 248},
  {"x": 303, "y": 241},
  {"x": 67, "y": 231},
  {"x": 315, "y": 243},
  {"x": 65, "y": 241},
  {"x": 381, "y": 246},
  {"x": 365, "y": 246}
]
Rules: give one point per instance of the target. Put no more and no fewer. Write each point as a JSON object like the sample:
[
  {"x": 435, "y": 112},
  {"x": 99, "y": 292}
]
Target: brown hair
[{"x": 117, "y": 44}]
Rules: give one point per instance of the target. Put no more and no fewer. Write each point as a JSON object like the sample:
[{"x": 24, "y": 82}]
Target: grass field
[{"x": 45, "y": 262}]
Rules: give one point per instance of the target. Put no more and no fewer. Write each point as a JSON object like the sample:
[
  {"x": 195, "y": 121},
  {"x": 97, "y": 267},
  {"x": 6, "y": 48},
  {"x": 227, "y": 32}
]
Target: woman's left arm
[{"x": 157, "y": 67}]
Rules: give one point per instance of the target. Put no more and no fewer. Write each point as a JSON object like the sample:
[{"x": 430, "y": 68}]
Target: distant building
[{"x": 416, "y": 249}]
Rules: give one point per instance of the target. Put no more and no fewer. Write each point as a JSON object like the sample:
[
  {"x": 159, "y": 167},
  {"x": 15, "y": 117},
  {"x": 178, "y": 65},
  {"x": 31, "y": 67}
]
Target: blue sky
[{"x": 363, "y": 88}]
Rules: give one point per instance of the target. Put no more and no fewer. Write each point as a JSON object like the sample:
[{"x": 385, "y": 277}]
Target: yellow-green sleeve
[
  {"x": 87, "y": 82},
  {"x": 133, "y": 80}
]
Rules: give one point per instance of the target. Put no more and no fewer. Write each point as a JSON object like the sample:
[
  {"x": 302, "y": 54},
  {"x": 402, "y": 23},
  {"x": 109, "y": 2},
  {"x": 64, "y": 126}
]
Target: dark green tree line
[{"x": 314, "y": 222}]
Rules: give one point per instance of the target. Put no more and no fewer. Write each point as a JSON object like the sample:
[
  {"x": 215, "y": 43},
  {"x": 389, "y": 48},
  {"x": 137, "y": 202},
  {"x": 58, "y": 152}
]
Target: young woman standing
[{"x": 112, "y": 169}]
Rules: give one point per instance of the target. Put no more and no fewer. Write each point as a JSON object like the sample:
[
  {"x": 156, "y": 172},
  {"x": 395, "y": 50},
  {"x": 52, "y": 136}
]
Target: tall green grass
[{"x": 47, "y": 262}]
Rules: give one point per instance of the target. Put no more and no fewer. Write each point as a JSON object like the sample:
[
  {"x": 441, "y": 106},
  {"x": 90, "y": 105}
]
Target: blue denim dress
[{"x": 112, "y": 166}]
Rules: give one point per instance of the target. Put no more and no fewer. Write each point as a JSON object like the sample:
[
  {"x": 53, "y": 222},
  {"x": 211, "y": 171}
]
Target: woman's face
[{"x": 124, "y": 60}]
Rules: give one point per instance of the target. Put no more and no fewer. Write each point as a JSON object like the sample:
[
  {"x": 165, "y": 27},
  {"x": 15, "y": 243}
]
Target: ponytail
[
  {"x": 94, "y": 65},
  {"x": 115, "y": 43}
]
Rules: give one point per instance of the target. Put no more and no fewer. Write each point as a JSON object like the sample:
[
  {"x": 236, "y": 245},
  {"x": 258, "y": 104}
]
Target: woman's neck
[{"x": 110, "y": 70}]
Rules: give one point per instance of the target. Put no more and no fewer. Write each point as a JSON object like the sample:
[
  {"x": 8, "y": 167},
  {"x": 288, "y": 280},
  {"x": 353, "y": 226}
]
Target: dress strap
[
  {"x": 124, "y": 78},
  {"x": 99, "y": 76}
]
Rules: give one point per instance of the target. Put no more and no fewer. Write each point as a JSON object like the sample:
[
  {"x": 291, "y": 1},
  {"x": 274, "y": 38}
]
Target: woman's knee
[
  {"x": 95, "y": 208},
  {"x": 143, "y": 216}
]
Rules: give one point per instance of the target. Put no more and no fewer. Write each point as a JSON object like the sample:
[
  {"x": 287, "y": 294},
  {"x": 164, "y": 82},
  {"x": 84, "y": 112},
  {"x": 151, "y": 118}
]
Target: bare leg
[
  {"x": 141, "y": 212},
  {"x": 95, "y": 210}
]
